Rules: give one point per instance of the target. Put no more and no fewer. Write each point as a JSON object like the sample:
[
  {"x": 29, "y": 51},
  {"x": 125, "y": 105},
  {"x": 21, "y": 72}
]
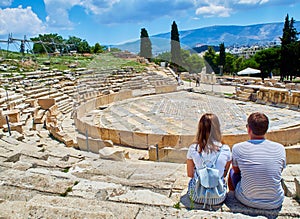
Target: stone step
[
  {"x": 66, "y": 106},
  {"x": 61, "y": 97},
  {"x": 46, "y": 93},
  {"x": 56, "y": 95},
  {"x": 36, "y": 90}
]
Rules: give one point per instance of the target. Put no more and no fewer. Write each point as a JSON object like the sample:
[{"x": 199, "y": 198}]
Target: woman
[{"x": 208, "y": 150}]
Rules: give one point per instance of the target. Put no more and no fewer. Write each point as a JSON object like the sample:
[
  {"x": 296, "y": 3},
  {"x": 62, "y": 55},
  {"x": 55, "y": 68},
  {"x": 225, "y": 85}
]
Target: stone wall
[
  {"x": 164, "y": 142},
  {"x": 270, "y": 95},
  {"x": 279, "y": 96}
]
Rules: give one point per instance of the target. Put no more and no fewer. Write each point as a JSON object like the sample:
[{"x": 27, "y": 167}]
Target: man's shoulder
[
  {"x": 240, "y": 144},
  {"x": 274, "y": 144}
]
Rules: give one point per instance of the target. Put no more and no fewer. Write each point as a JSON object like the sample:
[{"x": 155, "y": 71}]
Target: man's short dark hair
[{"x": 258, "y": 123}]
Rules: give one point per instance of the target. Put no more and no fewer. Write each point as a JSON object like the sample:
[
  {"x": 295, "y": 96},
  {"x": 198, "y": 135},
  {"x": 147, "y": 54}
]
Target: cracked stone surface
[{"x": 53, "y": 181}]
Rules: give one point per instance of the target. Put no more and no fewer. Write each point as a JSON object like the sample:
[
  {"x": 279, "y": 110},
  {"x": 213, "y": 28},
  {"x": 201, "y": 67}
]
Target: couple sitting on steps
[{"x": 256, "y": 165}]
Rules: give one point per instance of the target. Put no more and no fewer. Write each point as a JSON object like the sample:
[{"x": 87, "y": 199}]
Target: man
[{"x": 257, "y": 165}]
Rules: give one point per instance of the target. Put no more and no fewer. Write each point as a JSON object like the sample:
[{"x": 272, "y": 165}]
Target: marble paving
[{"x": 179, "y": 112}]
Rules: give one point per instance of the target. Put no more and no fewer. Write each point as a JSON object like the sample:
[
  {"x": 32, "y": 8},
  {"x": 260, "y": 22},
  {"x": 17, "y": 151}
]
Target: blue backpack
[{"x": 207, "y": 187}]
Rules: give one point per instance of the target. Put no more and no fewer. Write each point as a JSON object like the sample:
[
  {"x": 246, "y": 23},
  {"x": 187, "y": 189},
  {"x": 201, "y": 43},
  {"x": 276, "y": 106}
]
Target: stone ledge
[
  {"x": 178, "y": 155},
  {"x": 290, "y": 207}
]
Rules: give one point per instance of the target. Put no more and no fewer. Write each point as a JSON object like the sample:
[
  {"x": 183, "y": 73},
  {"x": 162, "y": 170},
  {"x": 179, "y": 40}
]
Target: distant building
[{"x": 249, "y": 51}]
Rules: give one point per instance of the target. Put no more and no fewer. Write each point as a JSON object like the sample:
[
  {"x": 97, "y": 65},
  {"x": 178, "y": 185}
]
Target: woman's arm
[
  {"x": 190, "y": 167},
  {"x": 236, "y": 169}
]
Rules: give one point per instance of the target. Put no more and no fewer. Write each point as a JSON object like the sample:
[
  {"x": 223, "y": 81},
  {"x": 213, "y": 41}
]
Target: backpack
[{"x": 207, "y": 187}]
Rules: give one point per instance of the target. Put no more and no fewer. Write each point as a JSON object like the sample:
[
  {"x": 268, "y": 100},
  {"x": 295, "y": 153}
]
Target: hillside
[{"x": 214, "y": 35}]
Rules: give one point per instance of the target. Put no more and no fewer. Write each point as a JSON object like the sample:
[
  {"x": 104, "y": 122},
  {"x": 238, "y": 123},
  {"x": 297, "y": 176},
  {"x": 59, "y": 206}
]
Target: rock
[
  {"x": 143, "y": 197},
  {"x": 297, "y": 184},
  {"x": 112, "y": 154}
]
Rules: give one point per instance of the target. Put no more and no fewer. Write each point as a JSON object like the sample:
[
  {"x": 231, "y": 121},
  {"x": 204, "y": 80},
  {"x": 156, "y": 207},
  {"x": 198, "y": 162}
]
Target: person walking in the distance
[
  {"x": 207, "y": 152},
  {"x": 257, "y": 165},
  {"x": 197, "y": 81}
]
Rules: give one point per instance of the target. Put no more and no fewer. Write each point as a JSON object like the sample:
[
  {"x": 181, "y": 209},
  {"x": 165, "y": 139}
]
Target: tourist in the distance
[
  {"x": 197, "y": 81},
  {"x": 257, "y": 165},
  {"x": 208, "y": 144}
]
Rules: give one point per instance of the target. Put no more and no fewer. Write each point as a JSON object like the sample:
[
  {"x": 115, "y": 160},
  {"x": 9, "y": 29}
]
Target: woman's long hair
[{"x": 209, "y": 133}]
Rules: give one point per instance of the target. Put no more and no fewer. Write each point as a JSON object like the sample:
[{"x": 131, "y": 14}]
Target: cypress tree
[
  {"x": 222, "y": 58},
  {"x": 288, "y": 54},
  {"x": 145, "y": 45},
  {"x": 175, "y": 46}
]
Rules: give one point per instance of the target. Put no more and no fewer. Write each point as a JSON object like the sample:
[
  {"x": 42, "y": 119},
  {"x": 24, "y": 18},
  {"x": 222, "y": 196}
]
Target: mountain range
[{"x": 230, "y": 35}]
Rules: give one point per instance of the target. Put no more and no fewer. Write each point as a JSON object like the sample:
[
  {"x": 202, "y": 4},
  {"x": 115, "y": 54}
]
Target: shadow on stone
[
  {"x": 231, "y": 204},
  {"x": 190, "y": 205},
  {"x": 237, "y": 207}
]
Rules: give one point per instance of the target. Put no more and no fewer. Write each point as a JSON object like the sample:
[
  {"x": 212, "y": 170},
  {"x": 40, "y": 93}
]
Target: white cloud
[
  {"x": 135, "y": 11},
  {"x": 5, "y": 3},
  {"x": 224, "y": 8},
  {"x": 20, "y": 21},
  {"x": 98, "y": 6},
  {"x": 114, "y": 11},
  {"x": 58, "y": 10},
  {"x": 253, "y": 2},
  {"x": 58, "y": 15},
  {"x": 214, "y": 11}
]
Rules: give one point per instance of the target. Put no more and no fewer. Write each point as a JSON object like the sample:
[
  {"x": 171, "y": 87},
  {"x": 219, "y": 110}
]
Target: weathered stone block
[
  {"x": 169, "y": 141},
  {"x": 114, "y": 135},
  {"x": 46, "y": 103},
  {"x": 165, "y": 89},
  {"x": 14, "y": 115},
  {"x": 126, "y": 138},
  {"x": 112, "y": 154},
  {"x": 154, "y": 139},
  {"x": 2, "y": 119},
  {"x": 15, "y": 126},
  {"x": 140, "y": 140},
  {"x": 297, "y": 184},
  {"x": 293, "y": 154},
  {"x": 186, "y": 140},
  {"x": 233, "y": 139},
  {"x": 31, "y": 102},
  {"x": 92, "y": 144},
  {"x": 167, "y": 154}
]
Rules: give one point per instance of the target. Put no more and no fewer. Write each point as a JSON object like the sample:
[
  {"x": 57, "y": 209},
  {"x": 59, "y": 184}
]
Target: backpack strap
[{"x": 214, "y": 162}]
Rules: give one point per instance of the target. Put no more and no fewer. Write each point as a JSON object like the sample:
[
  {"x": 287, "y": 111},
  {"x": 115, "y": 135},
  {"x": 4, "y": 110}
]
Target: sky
[{"x": 111, "y": 22}]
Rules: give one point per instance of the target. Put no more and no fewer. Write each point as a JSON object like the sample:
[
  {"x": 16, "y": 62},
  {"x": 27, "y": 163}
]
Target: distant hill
[{"x": 231, "y": 35}]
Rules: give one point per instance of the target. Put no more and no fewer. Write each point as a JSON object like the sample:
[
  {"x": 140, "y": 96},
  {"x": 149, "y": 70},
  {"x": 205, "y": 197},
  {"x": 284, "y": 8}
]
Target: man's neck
[{"x": 257, "y": 137}]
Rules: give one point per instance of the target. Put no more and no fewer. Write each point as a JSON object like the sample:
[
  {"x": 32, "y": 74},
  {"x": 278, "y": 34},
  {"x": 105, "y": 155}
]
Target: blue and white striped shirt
[{"x": 261, "y": 163}]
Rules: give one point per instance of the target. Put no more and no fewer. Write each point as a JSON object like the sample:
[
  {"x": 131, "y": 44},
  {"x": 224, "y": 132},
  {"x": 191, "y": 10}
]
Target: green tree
[
  {"x": 297, "y": 59},
  {"x": 288, "y": 40},
  {"x": 251, "y": 63},
  {"x": 222, "y": 58},
  {"x": 194, "y": 63},
  {"x": 165, "y": 56},
  {"x": 73, "y": 43},
  {"x": 97, "y": 48},
  {"x": 79, "y": 45},
  {"x": 211, "y": 59},
  {"x": 268, "y": 60},
  {"x": 175, "y": 47},
  {"x": 84, "y": 47},
  {"x": 47, "y": 43},
  {"x": 145, "y": 45},
  {"x": 237, "y": 64},
  {"x": 229, "y": 64},
  {"x": 190, "y": 62}
]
